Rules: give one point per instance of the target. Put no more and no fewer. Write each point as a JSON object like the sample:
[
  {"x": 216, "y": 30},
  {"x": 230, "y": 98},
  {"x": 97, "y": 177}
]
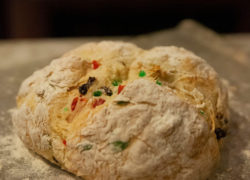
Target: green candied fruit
[
  {"x": 142, "y": 73},
  {"x": 116, "y": 82},
  {"x": 97, "y": 93},
  {"x": 66, "y": 109},
  {"x": 122, "y": 102},
  {"x": 158, "y": 82},
  {"x": 87, "y": 147},
  {"x": 202, "y": 112},
  {"x": 120, "y": 145}
]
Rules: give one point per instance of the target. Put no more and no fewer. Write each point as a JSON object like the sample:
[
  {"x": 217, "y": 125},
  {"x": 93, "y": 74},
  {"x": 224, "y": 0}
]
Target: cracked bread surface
[{"x": 158, "y": 120}]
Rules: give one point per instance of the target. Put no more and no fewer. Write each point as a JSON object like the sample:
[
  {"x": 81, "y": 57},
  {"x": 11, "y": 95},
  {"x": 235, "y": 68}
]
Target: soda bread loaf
[{"x": 114, "y": 111}]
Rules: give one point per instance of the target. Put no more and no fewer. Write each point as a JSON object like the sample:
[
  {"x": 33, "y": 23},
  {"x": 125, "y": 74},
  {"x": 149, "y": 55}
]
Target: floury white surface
[
  {"x": 163, "y": 132},
  {"x": 235, "y": 159}
]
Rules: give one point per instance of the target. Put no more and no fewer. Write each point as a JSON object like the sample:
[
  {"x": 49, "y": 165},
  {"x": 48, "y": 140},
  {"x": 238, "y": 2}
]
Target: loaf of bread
[{"x": 114, "y": 111}]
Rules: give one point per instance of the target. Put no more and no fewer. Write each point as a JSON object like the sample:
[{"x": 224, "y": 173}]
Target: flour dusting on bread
[{"x": 112, "y": 110}]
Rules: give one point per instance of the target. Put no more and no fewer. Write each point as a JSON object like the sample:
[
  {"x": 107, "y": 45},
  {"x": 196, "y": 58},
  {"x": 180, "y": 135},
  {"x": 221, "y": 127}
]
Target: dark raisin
[
  {"x": 220, "y": 133},
  {"x": 108, "y": 91},
  {"x": 91, "y": 80},
  {"x": 83, "y": 89}
]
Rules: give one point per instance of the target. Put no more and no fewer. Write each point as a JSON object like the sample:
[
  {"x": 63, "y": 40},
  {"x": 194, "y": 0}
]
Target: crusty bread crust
[{"x": 111, "y": 110}]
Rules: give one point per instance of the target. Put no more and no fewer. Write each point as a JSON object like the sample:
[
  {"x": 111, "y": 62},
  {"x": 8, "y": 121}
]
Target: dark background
[{"x": 69, "y": 18}]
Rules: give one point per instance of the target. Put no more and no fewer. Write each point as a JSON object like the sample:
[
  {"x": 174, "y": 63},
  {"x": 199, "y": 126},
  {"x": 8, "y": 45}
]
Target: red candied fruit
[
  {"x": 95, "y": 64},
  {"x": 74, "y": 103},
  {"x": 98, "y": 102},
  {"x": 64, "y": 142},
  {"x": 120, "y": 88}
]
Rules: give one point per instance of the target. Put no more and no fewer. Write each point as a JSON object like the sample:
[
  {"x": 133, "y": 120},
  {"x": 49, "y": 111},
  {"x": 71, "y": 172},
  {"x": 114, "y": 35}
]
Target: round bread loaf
[{"x": 113, "y": 111}]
